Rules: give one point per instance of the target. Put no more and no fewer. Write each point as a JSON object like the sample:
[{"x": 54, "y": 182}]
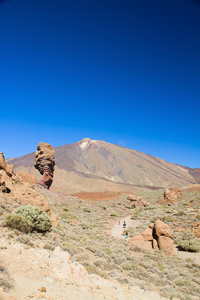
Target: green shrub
[
  {"x": 35, "y": 216},
  {"x": 84, "y": 225},
  {"x": 168, "y": 219},
  {"x": 180, "y": 213},
  {"x": 18, "y": 222},
  {"x": 113, "y": 214},
  {"x": 189, "y": 245},
  {"x": 198, "y": 217},
  {"x": 65, "y": 208},
  {"x": 86, "y": 210},
  {"x": 150, "y": 208}
]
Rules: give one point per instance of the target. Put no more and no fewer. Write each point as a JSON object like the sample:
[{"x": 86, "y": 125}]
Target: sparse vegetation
[
  {"x": 189, "y": 245},
  {"x": 86, "y": 210},
  {"x": 113, "y": 214},
  {"x": 65, "y": 208},
  {"x": 18, "y": 222},
  {"x": 6, "y": 283},
  {"x": 180, "y": 214},
  {"x": 84, "y": 226},
  {"x": 86, "y": 237},
  {"x": 39, "y": 219}
]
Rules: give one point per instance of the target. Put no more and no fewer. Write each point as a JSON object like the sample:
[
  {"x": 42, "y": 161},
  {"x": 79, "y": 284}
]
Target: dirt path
[
  {"x": 117, "y": 229},
  {"x": 185, "y": 255}
]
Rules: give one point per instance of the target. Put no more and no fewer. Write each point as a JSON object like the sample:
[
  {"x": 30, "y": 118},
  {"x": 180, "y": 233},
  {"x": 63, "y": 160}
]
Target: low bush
[
  {"x": 65, "y": 208},
  {"x": 86, "y": 210},
  {"x": 189, "y": 245},
  {"x": 18, "y": 222},
  {"x": 167, "y": 219},
  {"x": 84, "y": 226},
  {"x": 39, "y": 219},
  {"x": 113, "y": 214},
  {"x": 180, "y": 213},
  {"x": 49, "y": 246}
]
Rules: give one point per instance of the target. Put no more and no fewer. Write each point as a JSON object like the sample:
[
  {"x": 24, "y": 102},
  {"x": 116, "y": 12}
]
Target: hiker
[
  {"x": 126, "y": 234},
  {"x": 118, "y": 222},
  {"x": 124, "y": 224}
]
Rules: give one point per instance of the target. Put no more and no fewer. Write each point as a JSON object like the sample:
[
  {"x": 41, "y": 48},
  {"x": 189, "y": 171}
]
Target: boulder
[
  {"x": 163, "y": 235},
  {"x": 147, "y": 235},
  {"x": 135, "y": 202},
  {"x": 160, "y": 228},
  {"x": 44, "y": 163},
  {"x": 154, "y": 238},
  {"x": 140, "y": 242},
  {"x": 166, "y": 244}
]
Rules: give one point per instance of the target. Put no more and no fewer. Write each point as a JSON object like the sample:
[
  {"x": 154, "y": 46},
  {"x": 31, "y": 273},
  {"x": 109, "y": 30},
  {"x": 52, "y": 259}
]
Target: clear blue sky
[{"x": 114, "y": 70}]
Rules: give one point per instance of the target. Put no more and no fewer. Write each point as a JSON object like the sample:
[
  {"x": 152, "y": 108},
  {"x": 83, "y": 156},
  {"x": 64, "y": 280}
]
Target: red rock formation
[
  {"x": 157, "y": 236},
  {"x": 18, "y": 189},
  {"x": 163, "y": 235},
  {"x": 6, "y": 172},
  {"x": 171, "y": 195},
  {"x": 44, "y": 163},
  {"x": 135, "y": 201}
]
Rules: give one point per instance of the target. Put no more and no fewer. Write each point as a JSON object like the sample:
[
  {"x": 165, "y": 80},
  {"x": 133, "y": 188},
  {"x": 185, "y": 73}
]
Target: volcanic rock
[
  {"x": 171, "y": 195},
  {"x": 160, "y": 228},
  {"x": 166, "y": 244},
  {"x": 44, "y": 163},
  {"x": 139, "y": 241},
  {"x": 18, "y": 189},
  {"x": 135, "y": 201},
  {"x": 6, "y": 172},
  {"x": 163, "y": 235},
  {"x": 156, "y": 237}
]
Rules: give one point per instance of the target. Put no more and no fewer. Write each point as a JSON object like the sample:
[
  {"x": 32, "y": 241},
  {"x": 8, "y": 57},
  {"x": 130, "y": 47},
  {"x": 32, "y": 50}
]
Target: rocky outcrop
[
  {"x": 16, "y": 188},
  {"x": 133, "y": 202},
  {"x": 157, "y": 237},
  {"x": 44, "y": 163},
  {"x": 163, "y": 235},
  {"x": 171, "y": 195},
  {"x": 6, "y": 172},
  {"x": 68, "y": 269}
]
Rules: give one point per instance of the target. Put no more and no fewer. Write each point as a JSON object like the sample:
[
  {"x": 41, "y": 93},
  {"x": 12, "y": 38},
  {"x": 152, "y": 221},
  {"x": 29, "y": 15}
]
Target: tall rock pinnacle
[{"x": 44, "y": 163}]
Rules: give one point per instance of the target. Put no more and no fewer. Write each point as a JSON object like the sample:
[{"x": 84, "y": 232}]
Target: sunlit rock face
[{"x": 44, "y": 163}]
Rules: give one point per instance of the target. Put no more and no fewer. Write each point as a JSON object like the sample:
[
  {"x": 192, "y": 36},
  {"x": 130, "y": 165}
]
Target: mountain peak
[{"x": 85, "y": 140}]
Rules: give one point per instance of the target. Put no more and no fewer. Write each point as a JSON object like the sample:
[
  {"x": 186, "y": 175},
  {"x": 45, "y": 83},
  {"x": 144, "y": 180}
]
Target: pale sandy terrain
[{"x": 31, "y": 269}]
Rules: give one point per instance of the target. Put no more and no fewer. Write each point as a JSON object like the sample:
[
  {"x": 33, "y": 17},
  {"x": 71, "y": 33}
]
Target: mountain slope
[{"x": 99, "y": 160}]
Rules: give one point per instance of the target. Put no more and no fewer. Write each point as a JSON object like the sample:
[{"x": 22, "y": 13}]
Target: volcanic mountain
[{"x": 93, "y": 165}]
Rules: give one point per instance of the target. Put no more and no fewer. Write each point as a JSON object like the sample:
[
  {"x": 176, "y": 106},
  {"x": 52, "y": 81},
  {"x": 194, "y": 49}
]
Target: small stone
[{"x": 43, "y": 289}]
